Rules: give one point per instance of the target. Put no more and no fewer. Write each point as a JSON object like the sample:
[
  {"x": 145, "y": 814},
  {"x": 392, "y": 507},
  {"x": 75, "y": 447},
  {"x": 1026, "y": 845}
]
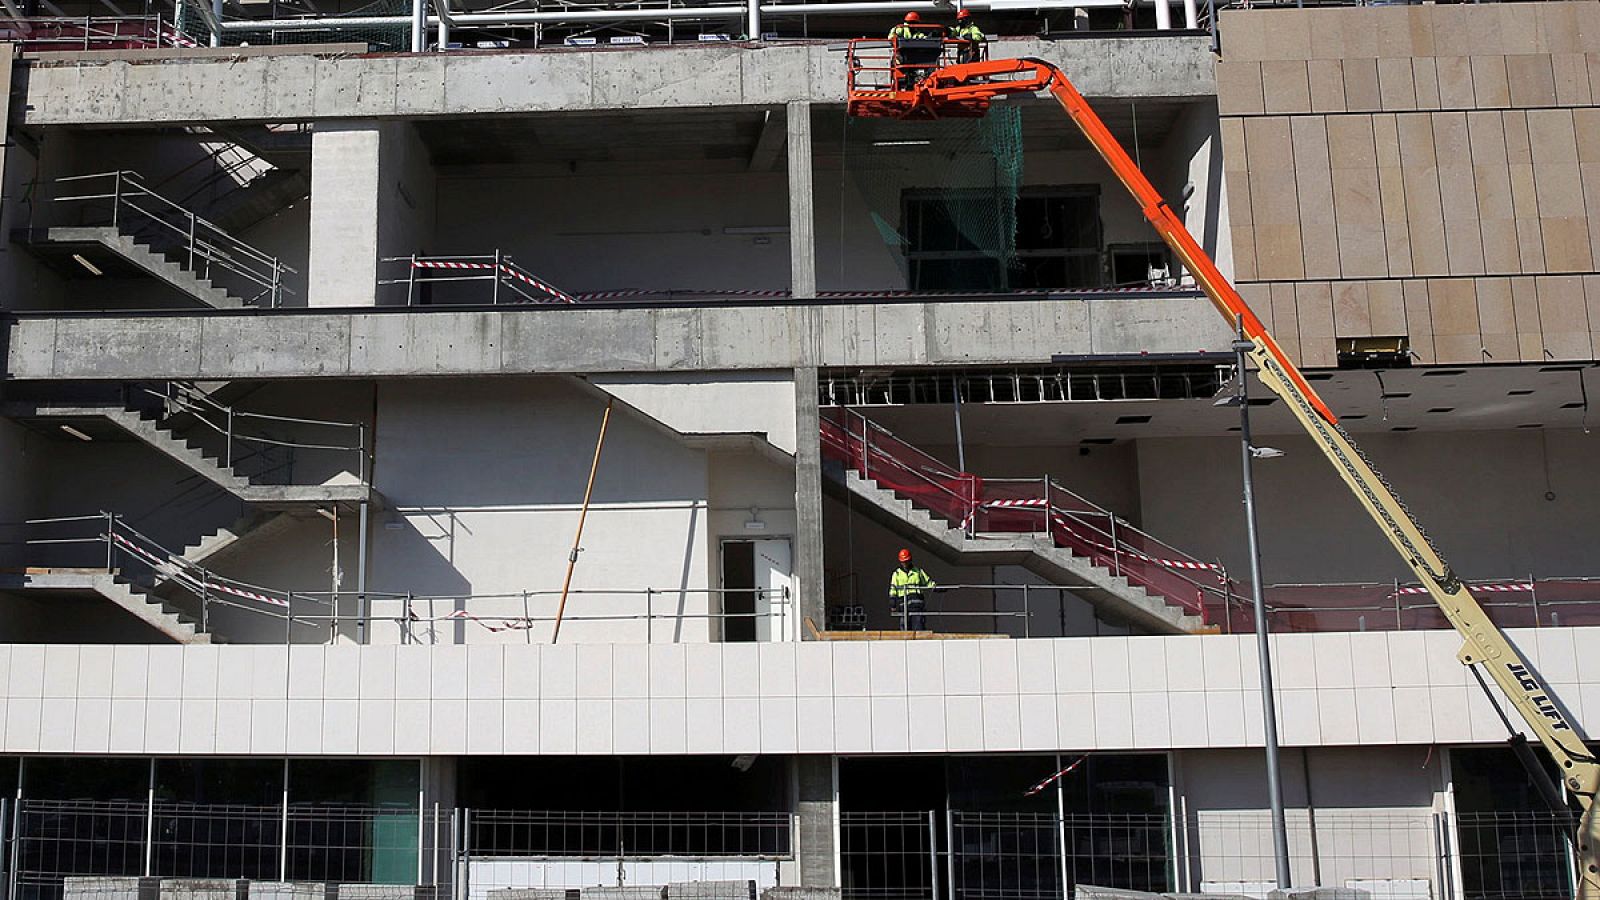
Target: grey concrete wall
[
  {"x": 323, "y": 85},
  {"x": 345, "y": 166},
  {"x": 603, "y": 340}
]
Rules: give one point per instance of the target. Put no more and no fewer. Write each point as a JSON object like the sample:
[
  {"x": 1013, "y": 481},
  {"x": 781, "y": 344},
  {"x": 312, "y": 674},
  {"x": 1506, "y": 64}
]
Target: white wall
[
  {"x": 372, "y": 195},
  {"x": 1352, "y": 813},
  {"x": 713, "y": 402},
  {"x": 486, "y": 479},
  {"x": 1479, "y": 494},
  {"x": 591, "y": 232},
  {"x": 892, "y": 697}
]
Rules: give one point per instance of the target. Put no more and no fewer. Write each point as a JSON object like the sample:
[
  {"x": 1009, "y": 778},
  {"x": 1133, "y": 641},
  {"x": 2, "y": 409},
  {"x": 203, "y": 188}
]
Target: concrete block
[
  {"x": 1397, "y": 88},
  {"x": 1285, "y": 88},
  {"x": 1325, "y": 79},
  {"x": 1356, "y": 196},
  {"x": 628, "y": 892},
  {"x": 109, "y": 888},
  {"x": 1397, "y": 249},
  {"x": 300, "y": 345},
  {"x": 439, "y": 343},
  {"x": 1566, "y": 244},
  {"x": 1386, "y": 140},
  {"x": 1386, "y": 308},
  {"x": 1314, "y": 307},
  {"x": 1453, "y": 306},
  {"x": 1525, "y": 305},
  {"x": 711, "y": 890},
  {"x": 165, "y": 348},
  {"x": 1285, "y": 315},
  {"x": 289, "y": 890},
  {"x": 1490, "y": 87},
  {"x": 791, "y": 892},
  {"x": 530, "y": 894},
  {"x": 294, "y": 82},
  {"x": 202, "y": 889},
  {"x": 1499, "y": 347},
  {"x": 1321, "y": 247},
  {"x": 1269, "y": 144},
  {"x": 420, "y": 85},
  {"x": 356, "y": 91},
  {"x": 1244, "y": 253},
  {"x": 1361, "y": 93},
  {"x": 1352, "y": 315},
  {"x": 387, "y": 892},
  {"x": 1531, "y": 79},
  {"x": 1279, "y": 255},
  {"x": 1425, "y": 77},
  {"x": 1552, "y": 136},
  {"x": 1313, "y": 182},
  {"x": 1562, "y": 306},
  {"x": 1570, "y": 72},
  {"x": 1495, "y": 311},
  {"x": 1454, "y": 75},
  {"x": 1362, "y": 249},
  {"x": 1274, "y": 198},
  {"x": 1237, "y": 187},
  {"x": 1500, "y": 252}
]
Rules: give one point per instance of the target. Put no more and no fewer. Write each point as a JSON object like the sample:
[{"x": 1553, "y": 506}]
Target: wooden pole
[{"x": 572, "y": 558}]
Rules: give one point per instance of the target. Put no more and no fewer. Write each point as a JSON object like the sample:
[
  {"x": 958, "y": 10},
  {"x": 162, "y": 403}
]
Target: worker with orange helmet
[
  {"x": 909, "y": 587},
  {"x": 914, "y": 63},
  {"x": 971, "y": 36},
  {"x": 907, "y": 28}
]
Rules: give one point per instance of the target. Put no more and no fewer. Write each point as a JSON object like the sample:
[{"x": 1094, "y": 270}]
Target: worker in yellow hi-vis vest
[{"x": 908, "y": 590}]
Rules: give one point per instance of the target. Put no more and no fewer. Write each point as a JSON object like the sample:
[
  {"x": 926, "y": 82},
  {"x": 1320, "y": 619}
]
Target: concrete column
[
  {"x": 816, "y": 803},
  {"x": 802, "y": 218},
  {"x": 372, "y": 190},
  {"x": 808, "y": 568}
]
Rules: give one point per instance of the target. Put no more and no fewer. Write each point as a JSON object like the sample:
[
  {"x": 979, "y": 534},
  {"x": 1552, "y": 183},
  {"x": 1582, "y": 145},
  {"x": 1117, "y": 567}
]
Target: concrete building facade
[{"x": 338, "y": 378}]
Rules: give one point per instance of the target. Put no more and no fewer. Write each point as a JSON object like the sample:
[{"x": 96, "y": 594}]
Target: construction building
[{"x": 327, "y": 327}]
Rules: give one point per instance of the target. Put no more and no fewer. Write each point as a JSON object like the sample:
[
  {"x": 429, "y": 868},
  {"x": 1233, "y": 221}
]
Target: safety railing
[
  {"x": 601, "y": 835},
  {"x": 887, "y": 65},
  {"x": 1041, "y": 505},
  {"x": 121, "y": 200},
  {"x": 1525, "y": 602},
  {"x": 43, "y": 34},
  {"x": 136, "y": 558},
  {"x": 239, "y": 429},
  {"x": 501, "y": 279}
]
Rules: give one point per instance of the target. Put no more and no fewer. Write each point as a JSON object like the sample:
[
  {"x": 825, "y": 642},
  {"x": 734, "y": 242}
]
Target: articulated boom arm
[{"x": 1485, "y": 645}]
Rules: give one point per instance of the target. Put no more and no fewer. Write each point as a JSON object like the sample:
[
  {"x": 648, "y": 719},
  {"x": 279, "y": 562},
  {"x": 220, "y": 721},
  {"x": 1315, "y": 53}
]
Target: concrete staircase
[
  {"x": 1114, "y": 596},
  {"x": 136, "y": 600},
  {"x": 144, "y": 425},
  {"x": 142, "y": 256}
]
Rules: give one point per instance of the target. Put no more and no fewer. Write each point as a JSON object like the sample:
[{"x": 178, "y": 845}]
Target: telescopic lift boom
[{"x": 966, "y": 90}]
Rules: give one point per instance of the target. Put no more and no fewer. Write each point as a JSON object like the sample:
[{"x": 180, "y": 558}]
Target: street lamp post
[{"x": 1269, "y": 712}]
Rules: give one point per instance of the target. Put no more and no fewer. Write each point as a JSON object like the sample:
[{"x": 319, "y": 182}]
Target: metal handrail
[
  {"x": 498, "y": 268},
  {"x": 92, "y": 32},
  {"x": 205, "y": 243},
  {"x": 184, "y": 396}
]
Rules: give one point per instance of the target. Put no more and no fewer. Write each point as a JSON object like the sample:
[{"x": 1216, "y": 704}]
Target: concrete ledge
[
  {"x": 341, "y": 343},
  {"x": 310, "y": 85}
]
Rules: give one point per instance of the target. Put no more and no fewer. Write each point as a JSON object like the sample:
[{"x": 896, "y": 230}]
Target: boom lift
[{"x": 965, "y": 90}]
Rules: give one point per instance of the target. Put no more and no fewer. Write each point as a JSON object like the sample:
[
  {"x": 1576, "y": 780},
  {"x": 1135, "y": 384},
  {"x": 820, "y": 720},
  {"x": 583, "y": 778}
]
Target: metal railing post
[
  {"x": 361, "y": 448},
  {"x": 111, "y": 542},
  {"x": 1027, "y": 613},
  {"x": 1533, "y": 596},
  {"x": 950, "y": 851},
  {"x": 495, "y": 298},
  {"x": 277, "y": 281},
  {"x": 1399, "y": 617},
  {"x": 205, "y": 601},
  {"x": 1116, "y": 548},
  {"x": 229, "y": 459},
  {"x": 933, "y": 853},
  {"x": 192, "y": 224},
  {"x": 411, "y": 282},
  {"x": 116, "y": 197},
  {"x": 649, "y": 615}
]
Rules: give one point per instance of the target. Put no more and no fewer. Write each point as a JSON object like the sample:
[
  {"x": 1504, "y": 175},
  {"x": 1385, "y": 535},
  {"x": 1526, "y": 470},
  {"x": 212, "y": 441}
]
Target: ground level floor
[{"x": 1395, "y": 821}]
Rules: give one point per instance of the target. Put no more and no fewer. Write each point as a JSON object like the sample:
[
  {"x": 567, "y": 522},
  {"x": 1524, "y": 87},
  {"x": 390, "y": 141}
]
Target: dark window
[
  {"x": 955, "y": 239},
  {"x": 1512, "y": 845}
]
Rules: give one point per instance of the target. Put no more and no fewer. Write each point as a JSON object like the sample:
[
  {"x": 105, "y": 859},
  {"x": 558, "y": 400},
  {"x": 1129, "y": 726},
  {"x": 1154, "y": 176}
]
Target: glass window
[{"x": 954, "y": 239}]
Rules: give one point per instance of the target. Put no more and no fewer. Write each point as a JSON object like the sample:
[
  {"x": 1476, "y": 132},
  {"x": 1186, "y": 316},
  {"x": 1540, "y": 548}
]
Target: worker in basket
[
  {"x": 916, "y": 50},
  {"x": 909, "y": 587},
  {"x": 971, "y": 36}
]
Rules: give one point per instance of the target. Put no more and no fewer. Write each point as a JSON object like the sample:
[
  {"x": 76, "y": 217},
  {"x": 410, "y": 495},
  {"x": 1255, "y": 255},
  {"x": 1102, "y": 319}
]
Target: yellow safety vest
[
  {"x": 909, "y": 583},
  {"x": 968, "y": 33},
  {"x": 902, "y": 31}
]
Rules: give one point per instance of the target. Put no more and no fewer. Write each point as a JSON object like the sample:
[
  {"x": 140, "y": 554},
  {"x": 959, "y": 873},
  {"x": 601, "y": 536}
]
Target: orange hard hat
[
  {"x": 913, "y": 17},
  {"x": 905, "y": 555},
  {"x": 964, "y": 14}
]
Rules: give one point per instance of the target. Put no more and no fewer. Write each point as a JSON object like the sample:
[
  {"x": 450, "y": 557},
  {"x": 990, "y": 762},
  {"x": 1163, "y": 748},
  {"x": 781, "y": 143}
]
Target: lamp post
[{"x": 1269, "y": 712}]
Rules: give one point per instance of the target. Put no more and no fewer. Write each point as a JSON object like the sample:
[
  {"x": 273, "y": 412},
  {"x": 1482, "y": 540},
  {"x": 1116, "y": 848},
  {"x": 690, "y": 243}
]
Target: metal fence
[
  {"x": 951, "y": 855},
  {"x": 56, "y": 840}
]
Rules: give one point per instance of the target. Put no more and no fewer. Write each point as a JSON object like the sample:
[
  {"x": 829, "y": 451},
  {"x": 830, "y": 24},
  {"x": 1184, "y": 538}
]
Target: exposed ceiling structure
[{"x": 1398, "y": 400}]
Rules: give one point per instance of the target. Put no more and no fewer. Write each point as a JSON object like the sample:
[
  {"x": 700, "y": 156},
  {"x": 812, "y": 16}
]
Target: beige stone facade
[{"x": 1427, "y": 171}]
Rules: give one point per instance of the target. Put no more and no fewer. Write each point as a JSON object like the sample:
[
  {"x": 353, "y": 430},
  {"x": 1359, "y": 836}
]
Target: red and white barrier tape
[
  {"x": 503, "y": 268},
  {"x": 505, "y": 624},
  {"x": 1168, "y": 563},
  {"x": 175, "y": 569},
  {"x": 1004, "y": 504},
  {"x": 1503, "y": 588}
]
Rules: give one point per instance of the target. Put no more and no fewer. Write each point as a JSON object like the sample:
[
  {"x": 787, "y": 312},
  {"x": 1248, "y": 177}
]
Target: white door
[{"x": 775, "y": 612}]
